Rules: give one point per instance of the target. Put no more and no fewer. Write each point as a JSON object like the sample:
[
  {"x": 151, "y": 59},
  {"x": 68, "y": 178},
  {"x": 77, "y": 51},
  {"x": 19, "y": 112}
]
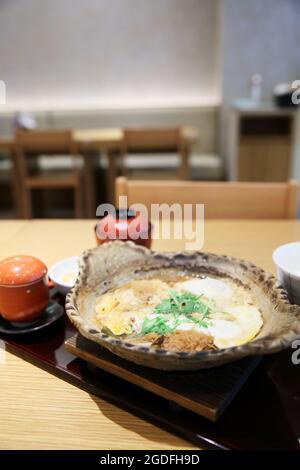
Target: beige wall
[
  {"x": 137, "y": 62},
  {"x": 62, "y": 54}
]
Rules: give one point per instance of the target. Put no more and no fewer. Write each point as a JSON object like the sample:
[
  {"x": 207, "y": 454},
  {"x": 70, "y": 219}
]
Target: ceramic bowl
[
  {"x": 124, "y": 225},
  {"x": 64, "y": 274},
  {"x": 116, "y": 263},
  {"x": 23, "y": 288},
  {"x": 287, "y": 262}
]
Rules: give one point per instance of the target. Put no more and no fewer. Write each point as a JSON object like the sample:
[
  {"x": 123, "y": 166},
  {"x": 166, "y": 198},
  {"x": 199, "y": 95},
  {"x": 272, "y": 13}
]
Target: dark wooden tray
[
  {"x": 207, "y": 392},
  {"x": 264, "y": 414}
]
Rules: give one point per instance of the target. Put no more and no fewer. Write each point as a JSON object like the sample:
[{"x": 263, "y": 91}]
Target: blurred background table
[
  {"x": 100, "y": 148},
  {"x": 90, "y": 142},
  {"x": 40, "y": 411}
]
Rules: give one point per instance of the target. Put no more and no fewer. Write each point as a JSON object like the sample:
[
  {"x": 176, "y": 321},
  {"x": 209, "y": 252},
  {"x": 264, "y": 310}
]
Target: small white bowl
[
  {"x": 287, "y": 262},
  {"x": 64, "y": 274}
]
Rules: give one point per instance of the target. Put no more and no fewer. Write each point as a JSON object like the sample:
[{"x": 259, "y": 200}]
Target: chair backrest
[
  {"x": 33, "y": 143},
  {"x": 46, "y": 142},
  {"x": 221, "y": 199},
  {"x": 153, "y": 139}
]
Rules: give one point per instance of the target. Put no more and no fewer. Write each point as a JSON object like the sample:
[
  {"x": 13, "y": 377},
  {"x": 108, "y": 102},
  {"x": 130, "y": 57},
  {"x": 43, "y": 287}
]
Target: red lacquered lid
[
  {"x": 123, "y": 225},
  {"x": 18, "y": 270}
]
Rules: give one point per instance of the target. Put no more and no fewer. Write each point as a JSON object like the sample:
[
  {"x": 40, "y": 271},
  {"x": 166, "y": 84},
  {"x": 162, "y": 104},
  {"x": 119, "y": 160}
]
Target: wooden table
[
  {"x": 41, "y": 411},
  {"x": 111, "y": 141},
  {"x": 91, "y": 142}
]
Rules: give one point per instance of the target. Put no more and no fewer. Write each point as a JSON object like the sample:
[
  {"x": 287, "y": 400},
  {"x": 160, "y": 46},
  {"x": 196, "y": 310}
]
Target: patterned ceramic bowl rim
[{"x": 100, "y": 267}]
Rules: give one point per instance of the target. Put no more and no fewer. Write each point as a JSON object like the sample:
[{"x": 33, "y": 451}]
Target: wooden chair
[
  {"x": 146, "y": 149},
  {"x": 228, "y": 200},
  {"x": 9, "y": 171},
  {"x": 32, "y": 144}
]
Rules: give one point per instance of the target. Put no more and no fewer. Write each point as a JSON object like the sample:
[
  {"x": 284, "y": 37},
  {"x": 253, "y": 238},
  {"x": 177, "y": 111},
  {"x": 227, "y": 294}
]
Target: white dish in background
[
  {"x": 287, "y": 262},
  {"x": 64, "y": 274}
]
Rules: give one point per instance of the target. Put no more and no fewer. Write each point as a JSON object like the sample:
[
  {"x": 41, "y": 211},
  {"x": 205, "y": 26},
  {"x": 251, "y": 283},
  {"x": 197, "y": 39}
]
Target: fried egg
[
  {"x": 241, "y": 327},
  {"x": 238, "y": 322},
  {"x": 209, "y": 287}
]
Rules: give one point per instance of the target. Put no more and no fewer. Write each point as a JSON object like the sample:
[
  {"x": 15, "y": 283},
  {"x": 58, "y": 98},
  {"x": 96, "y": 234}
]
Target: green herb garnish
[
  {"x": 157, "y": 324},
  {"x": 176, "y": 309}
]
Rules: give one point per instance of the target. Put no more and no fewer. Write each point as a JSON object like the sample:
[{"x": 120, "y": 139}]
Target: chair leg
[
  {"x": 124, "y": 168},
  {"x": 110, "y": 177},
  {"x": 183, "y": 170},
  {"x": 26, "y": 203},
  {"x": 78, "y": 201},
  {"x": 89, "y": 184},
  {"x": 16, "y": 187}
]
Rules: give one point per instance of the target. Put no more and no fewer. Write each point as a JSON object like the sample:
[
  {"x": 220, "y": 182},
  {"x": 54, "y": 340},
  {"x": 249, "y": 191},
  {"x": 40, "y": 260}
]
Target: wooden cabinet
[
  {"x": 264, "y": 159},
  {"x": 261, "y": 144}
]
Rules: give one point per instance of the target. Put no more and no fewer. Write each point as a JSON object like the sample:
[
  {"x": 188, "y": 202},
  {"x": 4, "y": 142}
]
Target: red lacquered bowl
[
  {"x": 124, "y": 225},
  {"x": 23, "y": 288}
]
